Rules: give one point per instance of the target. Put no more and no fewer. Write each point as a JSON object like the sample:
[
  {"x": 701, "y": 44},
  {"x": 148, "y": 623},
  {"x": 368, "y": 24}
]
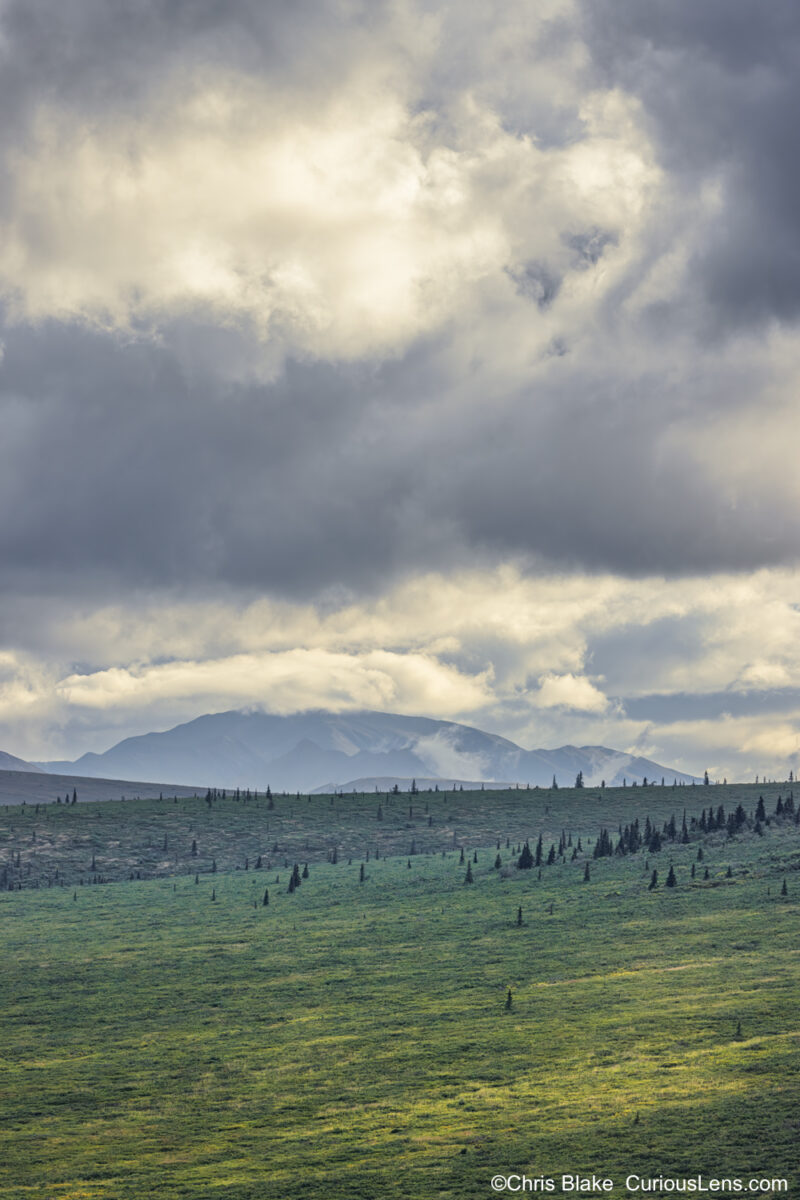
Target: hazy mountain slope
[
  {"x": 38, "y": 787},
  {"x": 307, "y": 750},
  {"x": 10, "y": 762}
]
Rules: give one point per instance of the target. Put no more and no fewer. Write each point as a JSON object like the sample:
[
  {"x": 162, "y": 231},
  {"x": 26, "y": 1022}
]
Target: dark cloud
[
  {"x": 122, "y": 468},
  {"x": 720, "y": 85},
  {"x": 152, "y": 463},
  {"x": 88, "y": 53},
  {"x": 712, "y": 706}
]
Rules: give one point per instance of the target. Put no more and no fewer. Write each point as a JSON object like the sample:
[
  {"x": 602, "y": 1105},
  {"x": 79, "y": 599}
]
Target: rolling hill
[{"x": 10, "y": 762}]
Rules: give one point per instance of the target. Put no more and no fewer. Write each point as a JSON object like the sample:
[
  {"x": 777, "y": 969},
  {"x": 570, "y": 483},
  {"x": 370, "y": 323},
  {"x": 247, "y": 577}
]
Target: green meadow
[{"x": 173, "y": 1036}]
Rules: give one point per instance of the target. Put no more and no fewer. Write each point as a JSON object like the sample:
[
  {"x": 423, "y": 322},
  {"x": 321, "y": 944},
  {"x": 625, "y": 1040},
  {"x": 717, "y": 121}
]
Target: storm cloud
[{"x": 304, "y": 303}]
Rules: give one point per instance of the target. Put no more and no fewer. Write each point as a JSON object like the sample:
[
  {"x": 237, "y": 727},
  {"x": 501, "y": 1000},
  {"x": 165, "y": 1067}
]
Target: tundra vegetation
[{"x": 292, "y": 996}]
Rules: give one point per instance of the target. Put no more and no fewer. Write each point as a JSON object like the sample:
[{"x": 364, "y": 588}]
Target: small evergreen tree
[
  {"x": 194, "y": 848},
  {"x": 671, "y": 880},
  {"x": 586, "y": 875},
  {"x": 508, "y": 1000},
  {"x": 525, "y": 860},
  {"x": 265, "y": 901},
  {"x": 519, "y": 915},
  {"x": 784, "y": 889},
  {"x": 468, "y": 876},
  {"x": 653, "y": 884}
]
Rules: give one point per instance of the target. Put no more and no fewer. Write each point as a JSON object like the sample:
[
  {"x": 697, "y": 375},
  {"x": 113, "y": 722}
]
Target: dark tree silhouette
[{"x": 525, "y": 860}]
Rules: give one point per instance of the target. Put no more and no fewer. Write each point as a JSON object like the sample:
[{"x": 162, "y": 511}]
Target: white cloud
[
  {"x": 284, "y": 682},
  {"x": 569, "y": 691},
  {"x": 343, "y": 229}
]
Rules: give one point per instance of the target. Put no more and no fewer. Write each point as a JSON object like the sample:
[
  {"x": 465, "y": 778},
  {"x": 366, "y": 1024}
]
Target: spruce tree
[
  {"x": 525, "y": 860},
  {"x": 498, "y": 862},
  {"x": 508, "y": 1000},
  {"x": 265, "y": 901},
  {"x": 361, "y": 873},
  {"x": 784, "y": 889},
  {"x": 468, "y": 876},
  {"x": 586, "y": 875},
  {"x": 671, "y": 880},
  {"x": 519, "y": 915},
  {"x": 651, "y": 887}
]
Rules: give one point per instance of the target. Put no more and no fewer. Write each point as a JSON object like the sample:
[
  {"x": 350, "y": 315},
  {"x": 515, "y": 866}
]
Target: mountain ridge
[{"x": 308, "y": 750}]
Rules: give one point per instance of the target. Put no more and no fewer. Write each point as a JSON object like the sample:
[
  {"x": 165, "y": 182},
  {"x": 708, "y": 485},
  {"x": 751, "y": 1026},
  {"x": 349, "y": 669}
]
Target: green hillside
[{"x": 352, "y": 1038}]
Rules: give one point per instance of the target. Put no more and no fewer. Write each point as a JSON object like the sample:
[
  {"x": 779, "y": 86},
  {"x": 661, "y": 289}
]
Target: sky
[{"x": 432, "y": 357}]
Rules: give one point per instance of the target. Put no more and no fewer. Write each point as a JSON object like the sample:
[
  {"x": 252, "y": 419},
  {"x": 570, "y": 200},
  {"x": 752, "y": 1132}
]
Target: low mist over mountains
[{"x": 325, "y": 751}]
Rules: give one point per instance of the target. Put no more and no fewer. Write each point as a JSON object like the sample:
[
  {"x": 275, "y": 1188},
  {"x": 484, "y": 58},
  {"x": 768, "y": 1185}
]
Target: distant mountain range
[{"x": 316, "y": 751}]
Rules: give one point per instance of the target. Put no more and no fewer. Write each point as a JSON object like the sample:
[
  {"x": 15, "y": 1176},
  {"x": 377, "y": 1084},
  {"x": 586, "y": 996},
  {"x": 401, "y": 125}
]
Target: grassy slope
[
  {"x": 130, "y": 837},
  {"x": 352, "y": 1040}
]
